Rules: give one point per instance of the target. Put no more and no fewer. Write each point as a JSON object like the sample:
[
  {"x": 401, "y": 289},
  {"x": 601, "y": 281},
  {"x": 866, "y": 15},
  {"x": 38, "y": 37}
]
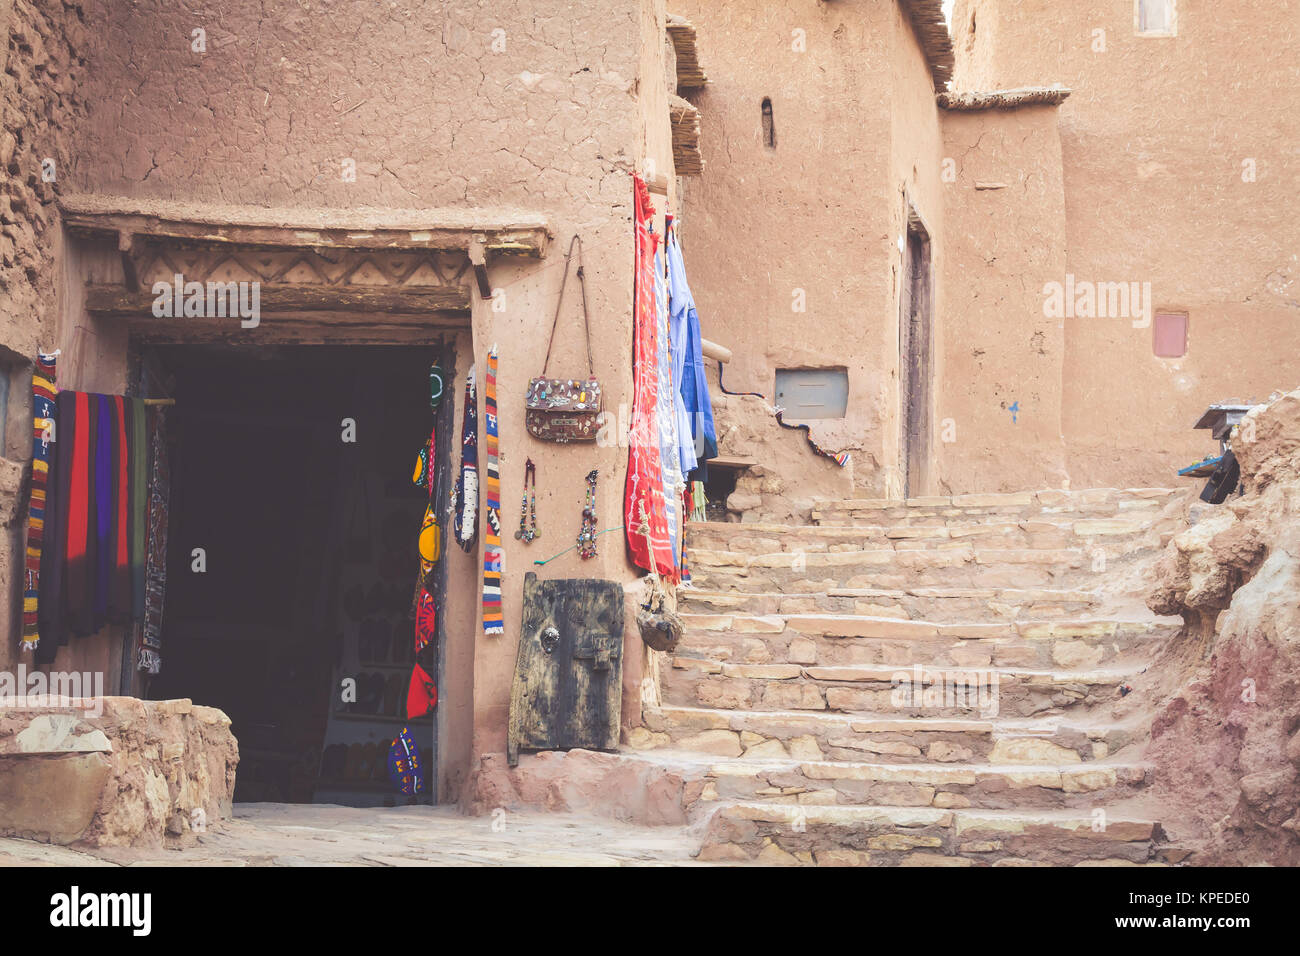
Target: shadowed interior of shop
[{"x": 292, "y": 558}]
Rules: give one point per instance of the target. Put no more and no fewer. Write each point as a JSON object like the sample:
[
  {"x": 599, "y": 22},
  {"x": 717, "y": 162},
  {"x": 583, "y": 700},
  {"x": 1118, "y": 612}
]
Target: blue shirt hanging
[{"x": 688, "y": 366}]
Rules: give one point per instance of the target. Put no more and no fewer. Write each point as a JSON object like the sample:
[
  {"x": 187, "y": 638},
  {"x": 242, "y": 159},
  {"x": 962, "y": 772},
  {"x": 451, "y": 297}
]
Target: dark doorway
[
  {"x": 916, "y": 360},
  {"x": 292, "y": 558}
]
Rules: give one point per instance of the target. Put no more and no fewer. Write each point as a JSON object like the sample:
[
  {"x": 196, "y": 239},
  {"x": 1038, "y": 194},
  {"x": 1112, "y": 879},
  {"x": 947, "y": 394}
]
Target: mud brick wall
[
  {"x": 114, "y": 771},
  {"x": 42, "y": 64}
]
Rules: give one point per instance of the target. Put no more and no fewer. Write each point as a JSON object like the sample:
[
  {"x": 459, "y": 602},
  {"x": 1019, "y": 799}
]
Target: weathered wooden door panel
[
  {"x": 568, "y": 684},
  {"x": 916, "y": 361}
]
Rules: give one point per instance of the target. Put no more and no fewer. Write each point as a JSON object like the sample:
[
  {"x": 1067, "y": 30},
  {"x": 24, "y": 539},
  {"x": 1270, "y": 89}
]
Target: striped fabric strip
[
  {"x": 466, "y": 500},
  {"x": 44, "y": 390},
  {"x": 493, "y": 620},
  {"x": 149, "y": 632}
]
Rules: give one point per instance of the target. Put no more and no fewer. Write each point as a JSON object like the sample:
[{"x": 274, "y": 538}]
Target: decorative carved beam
[
  {"x": 973, "y": 101},
  {"x": 299, "y": 329},
  {"x": 407, "y": 300},
  {"x": 126, "y": 246},
  {"x": 501, "y": 232}
]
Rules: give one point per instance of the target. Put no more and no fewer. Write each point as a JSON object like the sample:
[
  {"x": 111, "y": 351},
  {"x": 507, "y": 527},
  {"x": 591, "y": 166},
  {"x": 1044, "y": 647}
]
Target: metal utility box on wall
[{"x": 807, "y": 393}]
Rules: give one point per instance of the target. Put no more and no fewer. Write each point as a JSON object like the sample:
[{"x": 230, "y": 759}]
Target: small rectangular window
[
  {"x": 807, "y": 393},
  {"x": 1169, "y": 334},
  {"x": 1155, "y": 18}
]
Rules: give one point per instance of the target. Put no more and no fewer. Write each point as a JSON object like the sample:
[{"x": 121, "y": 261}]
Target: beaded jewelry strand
[
  {"x": 528, "y": 506},
  {"x": 587, "y": 536}
]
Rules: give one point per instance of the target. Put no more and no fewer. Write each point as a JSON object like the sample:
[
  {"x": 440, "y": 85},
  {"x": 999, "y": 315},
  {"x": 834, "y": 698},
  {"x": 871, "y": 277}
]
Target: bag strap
[{"x": 586, "y": 320}]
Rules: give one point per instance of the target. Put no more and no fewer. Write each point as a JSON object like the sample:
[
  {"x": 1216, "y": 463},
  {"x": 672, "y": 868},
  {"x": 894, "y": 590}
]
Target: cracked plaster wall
[
  {"x": 42, "y": 64},
  {"x": 1003, "y": 357},
  {"x": 1153, "y": 141},
  {"x": 543, "y": 107},
  {"x": 819, "y": 215}
]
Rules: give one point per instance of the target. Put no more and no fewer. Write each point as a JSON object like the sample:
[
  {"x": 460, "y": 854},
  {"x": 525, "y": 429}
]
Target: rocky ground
[
  {"x": 1226, "y": 740},
  {"x": 277, "y": 834}
]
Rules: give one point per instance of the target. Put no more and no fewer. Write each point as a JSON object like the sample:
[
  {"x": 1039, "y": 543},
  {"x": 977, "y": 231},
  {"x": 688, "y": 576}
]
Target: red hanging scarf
[{"x": 645, "y": 518}]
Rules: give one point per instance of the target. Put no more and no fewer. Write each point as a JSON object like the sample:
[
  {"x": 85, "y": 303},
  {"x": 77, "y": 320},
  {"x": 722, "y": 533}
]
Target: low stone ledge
[{"x": 113, "y": 771}]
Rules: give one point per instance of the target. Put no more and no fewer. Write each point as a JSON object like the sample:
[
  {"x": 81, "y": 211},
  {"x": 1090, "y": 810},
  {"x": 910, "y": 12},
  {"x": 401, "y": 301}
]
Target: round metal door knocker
[{"x": 549, "y": 638}]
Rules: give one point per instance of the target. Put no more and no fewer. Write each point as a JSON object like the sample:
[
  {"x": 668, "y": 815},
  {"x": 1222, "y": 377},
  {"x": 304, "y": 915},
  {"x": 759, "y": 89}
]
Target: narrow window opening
[
  {"x": 1156, "y": 18},
  {"x": 1169, "y": 334},
  {"x": 769, "y": 127}
]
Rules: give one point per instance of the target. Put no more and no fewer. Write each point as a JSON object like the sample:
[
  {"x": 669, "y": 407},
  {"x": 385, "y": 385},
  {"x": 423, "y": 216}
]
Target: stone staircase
[{"x": 922, "y": 683}]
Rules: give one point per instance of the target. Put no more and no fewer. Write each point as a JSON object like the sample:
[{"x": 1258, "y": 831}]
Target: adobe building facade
[
  {"x": 873, "y": 202},
  {"x": 499, "y": 126},
  {"x": 1146, "y": 169}
]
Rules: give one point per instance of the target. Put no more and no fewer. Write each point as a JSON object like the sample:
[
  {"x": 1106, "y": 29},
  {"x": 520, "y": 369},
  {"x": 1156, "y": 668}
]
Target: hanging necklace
[
  {"x": 528, "y": 507},
  {"x": 587, "y": 536}
]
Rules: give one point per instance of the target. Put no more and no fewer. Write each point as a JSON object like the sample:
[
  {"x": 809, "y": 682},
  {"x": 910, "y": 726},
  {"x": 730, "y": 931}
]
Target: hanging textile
[
  {"x": 158, "y": 499},
  {"x": 700, "y": 439},
  {"x": 103, "y": 438},
  {"x": 52, "y": 610},
  {"x": 677, "y": 335},
  {"x": 119, "y": 582},
  {"x": 645, "y": 520},
  {"x": 421, "y": 694},
  {"x": 493, "y": 619},
  {"x": 404, "y": 763},
  {"x": 429, "y": 543},
  {"x": 699, "y": 502},
  {"x": 139, "y": 466},
  {"x": 44, "y": 389},
  {"x": 667, "y": 405},
  {"x": 465, "y": 499},
  {"x": 426, "y": 610},
  {"x": 78, "y": 554}
]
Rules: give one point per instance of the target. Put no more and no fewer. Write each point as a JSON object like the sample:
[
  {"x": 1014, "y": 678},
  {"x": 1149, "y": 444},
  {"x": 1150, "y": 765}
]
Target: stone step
[
  {"x": 907, "y": 691},
  {"x": 862, "y": 639},
  {"x": 919, "y": 603},
  {"x": 820, "y": 735},
  {"x": 920, "y": 682},
  {"x": 912, "y": 532},
  {"x": 1100, "y": 502},
  {"x": 771, "y": 833},
  {"x": 945, "y": 786},
  {"x": 875, "y": 568}
]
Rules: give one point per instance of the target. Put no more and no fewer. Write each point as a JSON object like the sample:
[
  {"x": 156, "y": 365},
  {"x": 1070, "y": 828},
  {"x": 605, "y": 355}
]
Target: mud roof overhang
[
  {"x": 690, "y": 75},
  {"x": 931, "y": 28},
  {"x": 974, "y": 101}
]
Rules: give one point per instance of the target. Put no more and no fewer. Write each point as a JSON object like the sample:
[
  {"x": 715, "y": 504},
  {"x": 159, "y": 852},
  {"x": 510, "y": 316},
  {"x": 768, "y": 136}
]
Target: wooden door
[
  {"x": 916, "y": 362},
  {"x": 568, "y": 685}
]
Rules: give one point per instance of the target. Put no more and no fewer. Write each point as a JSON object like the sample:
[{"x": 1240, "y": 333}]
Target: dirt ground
[{"x": 277, "y": 834}]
